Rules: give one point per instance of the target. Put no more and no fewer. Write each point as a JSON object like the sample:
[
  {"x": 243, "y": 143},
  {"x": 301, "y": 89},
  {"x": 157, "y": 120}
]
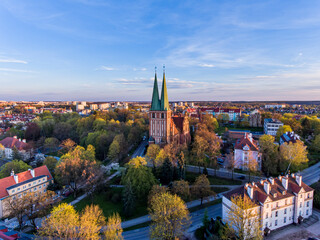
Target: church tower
[{"x": 159, "y": 114}]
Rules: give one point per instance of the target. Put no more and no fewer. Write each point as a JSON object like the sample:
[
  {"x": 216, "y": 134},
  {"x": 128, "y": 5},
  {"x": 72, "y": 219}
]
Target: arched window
[
  {"x": 162, "y": 115},
  {"x": 153, "y": 115}
]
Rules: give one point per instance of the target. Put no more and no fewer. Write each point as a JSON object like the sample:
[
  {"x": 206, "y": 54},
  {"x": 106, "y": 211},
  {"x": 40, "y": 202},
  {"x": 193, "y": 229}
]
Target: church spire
[
  {"x": 155, "y": 104},
  {"x": 164, "y": 95}
]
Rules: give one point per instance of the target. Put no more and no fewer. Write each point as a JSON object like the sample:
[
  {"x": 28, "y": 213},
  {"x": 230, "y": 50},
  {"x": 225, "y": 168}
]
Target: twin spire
[{"x": 163, "y": 103}]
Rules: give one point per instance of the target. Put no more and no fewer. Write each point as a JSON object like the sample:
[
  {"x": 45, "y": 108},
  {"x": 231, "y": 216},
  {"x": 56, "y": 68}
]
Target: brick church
[{"x": 164, "y": 126}]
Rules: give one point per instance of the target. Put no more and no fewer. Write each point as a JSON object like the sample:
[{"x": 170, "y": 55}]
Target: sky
[{"x": 96, "y": 50}]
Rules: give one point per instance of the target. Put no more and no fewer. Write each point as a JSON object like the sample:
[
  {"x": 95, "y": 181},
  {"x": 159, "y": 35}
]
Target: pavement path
[{"x": 139, "y": 152}]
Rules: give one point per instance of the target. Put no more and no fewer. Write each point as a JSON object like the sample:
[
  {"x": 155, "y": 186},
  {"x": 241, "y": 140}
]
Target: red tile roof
[
  {"x": 246, "y": 140},
  {"x": 259, "y": 194},
  {"x": 22, "y": 177},
  {"x": 10, "y": 142}
]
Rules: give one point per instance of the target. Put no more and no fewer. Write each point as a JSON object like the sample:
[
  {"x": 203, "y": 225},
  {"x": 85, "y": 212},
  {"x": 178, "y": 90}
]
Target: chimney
[
  {"x": 16, "y": 178},
  {"x": 19, "y": 139},
  {"x": 266, "y": 187},
  {"x": 23, "y": 140},
  {"x": 31, "y": 171},
  {"x": 12, "y": 173},
  {"x": 250, "y": 191},
  {"x": 271, "y": 180},
  {"x": 15, "y": 137},
  {"x": 299, "y": 180},
  {"x": 285, "y": 182}
]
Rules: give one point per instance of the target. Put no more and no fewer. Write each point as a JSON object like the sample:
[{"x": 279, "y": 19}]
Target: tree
[
  {"x": 37, "y": 205},
  {"x": 201, "y": 187},
  {"x": 156, "y": 190},
  {"x": 17, "y": 166},
  {"x": 315, "y": 143},
  {"x": 181, "y": 188},
  {"x": 211, "y": 122},
  {"x": 62, "y": 131},
  {"x": 128, "y": 199},
  {"x": 32, "y": 132},
  {"x": 169, "y": 215},
  {"x": 51, "y": 143},
  {"x": 68, "y": 144},
  {"x": 251, "y": 165},
  {"x": 140, "y": 177},
  {"x": 282, "y": 130},
  {"x": 166, "y": 172},
  {"x": 91, "y": 222},
  {"x": 270, "y": 154},
  {"x": 161, "y": 157},
  {"x": 152, "y": 153},
  {"x": 181, "y": 165},
  {"x": 16, "y": 154},
  {"x": 114, "y": 229},
  {"x": 243, "y": 217},
  {"x": 114, "y": 150},
  {"x": 205, "y": 220},
  {"x": 75, "y": 167},
  {"x": 17, "y": 208},
  {"x": 231, "y": 163},
  {"x": 2, "y": 149},
  {"x": 293, "y": 156},
  {"x": 50, "y": 162},
  {"x": 62, "y": 223}
]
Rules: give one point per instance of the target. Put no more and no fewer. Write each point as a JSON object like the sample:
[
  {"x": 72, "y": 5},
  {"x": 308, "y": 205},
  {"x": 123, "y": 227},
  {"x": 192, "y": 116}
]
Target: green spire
[
  {"x": 164, "y": 95},
  {"x": 155, "y": 104}
]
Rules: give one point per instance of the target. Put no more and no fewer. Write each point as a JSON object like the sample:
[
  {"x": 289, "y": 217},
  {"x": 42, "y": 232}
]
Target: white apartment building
[
  {"x": 275, "y": 106},
  {"x": 271, "y": 126},
  {"x": 280, "y": 201},
  {"x": 104, "y": 106},
  {"x": 245, "y": 150},
  {"x": 79, "y": 107},
  {"x": 94, "y": 106}
]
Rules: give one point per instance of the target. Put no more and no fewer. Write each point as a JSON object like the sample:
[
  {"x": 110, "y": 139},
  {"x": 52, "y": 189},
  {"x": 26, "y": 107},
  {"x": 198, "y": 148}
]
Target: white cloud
[
  {"x": 106, "y": 68},
  {"x": 14, "y": 70},
  {"x": 206, "y": 65},
  {"x": 12, "y": 61}
]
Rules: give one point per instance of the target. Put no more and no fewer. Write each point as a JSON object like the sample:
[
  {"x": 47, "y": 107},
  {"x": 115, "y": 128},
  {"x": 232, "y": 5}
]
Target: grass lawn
[
  {"x": 108, "y": 206},
  {"x": 191, "y": 177}
]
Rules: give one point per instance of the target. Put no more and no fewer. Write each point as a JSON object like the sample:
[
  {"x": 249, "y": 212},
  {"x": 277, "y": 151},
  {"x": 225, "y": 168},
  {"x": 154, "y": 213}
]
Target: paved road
[
  {"x": 140, "y": 150},
  {"x": 311, "y": 175},
  {"x": 196, "y": 218}
]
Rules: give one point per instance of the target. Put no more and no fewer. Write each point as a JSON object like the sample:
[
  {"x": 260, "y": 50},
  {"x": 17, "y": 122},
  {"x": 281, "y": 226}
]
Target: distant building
[
  {"x": 232, "y": 113},
  {"x": 255, "y": 119},
  {"x": 79, "y": 107},
  {"x": 104, "y": 106},
  {"x": 275, "y": 106},
  {"x": 245, "y": 149},
  {"x": 94, "y": 106},
  {"x": 84, "y": 103},
  {"x": 279, "y": 201},
  {"x": 271, "y": 126},
  {"x": 289, "y": 137},
  {"x": 165, "y": 127},
  {"x": 34, "y": 180},
  {"x": 10, "y": 143}
]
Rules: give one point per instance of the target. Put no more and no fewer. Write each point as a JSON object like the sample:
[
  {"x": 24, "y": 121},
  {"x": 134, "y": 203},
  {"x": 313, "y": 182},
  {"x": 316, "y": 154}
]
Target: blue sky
[{"x": 99, "y": 50}]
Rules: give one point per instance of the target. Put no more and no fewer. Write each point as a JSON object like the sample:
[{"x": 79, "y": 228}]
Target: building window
[
  {"x": 266, "y": 224},
  {"x": 39, "y": 181},
  {"x": 300, "y": 204},
  {"x": 153, "y": 116},
  {"x": 35, "y": 189},
  {"x": 277, "y": 204},
  {"x": 44, "y": 185},
  {"x": 40, "y": 187},
  {"x": 285, "y": 202},
  {"x": 18, "y": 189},
  {"x": 29, "y": 185},
  {"x": 285, "y": 220},
  {"x": 44, "y": 190},
  {"x": 276, "y": 223},
  {"x": 19, "y": 195},
  {"x": 276, "y": 213},
  {"x": 308, "y": 195},
  {"x": 307, "y": 212},
  {"x": 13, "y": 191},
  {"x": 308, "y": 204},
  {"x": 162, "y": 115},
  {"x": 285, "y": 211},
  {"x": 289, "y": 218}
]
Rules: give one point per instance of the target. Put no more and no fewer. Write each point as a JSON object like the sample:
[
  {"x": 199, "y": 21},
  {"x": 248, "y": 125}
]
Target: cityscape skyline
[{"x": 107, "y": 51}]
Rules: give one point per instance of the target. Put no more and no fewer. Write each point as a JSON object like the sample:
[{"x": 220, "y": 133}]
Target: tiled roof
[
  {"x": 10, "y": 142},
  {"x": 277, "y": 191},
  {"x": 178, "y": 121},
  {"x": 246, "y": 140},
  {"x": 22, "y": 177}
]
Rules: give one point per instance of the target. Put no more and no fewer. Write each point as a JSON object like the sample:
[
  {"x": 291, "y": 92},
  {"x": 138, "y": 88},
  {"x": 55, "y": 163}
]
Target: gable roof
[
  {"x": 10, "y": 142},
  {"x": 277, "y": 191},
  {"x": 7, "y": 182},
  {"x": 246, "y": 141}
]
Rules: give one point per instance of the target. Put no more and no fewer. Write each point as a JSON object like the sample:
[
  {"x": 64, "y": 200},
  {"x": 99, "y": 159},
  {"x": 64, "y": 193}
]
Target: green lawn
[
  {"x": 108, "y": 206},
  {"x": 191, "y": 177}
]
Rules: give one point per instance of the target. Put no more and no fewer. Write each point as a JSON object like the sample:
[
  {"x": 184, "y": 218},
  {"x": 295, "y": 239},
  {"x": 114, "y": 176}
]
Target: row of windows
[
  {"x": 29, "y": 185},
  {"x": 154, "y": 115},
  {"x": 20, "y": 195}
]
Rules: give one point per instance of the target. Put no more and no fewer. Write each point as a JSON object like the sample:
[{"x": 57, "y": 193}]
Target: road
[
  {"x": 196, "y": 218},
  {"x": 311, "y": 175},
  {"x": 139, "y": 152}
]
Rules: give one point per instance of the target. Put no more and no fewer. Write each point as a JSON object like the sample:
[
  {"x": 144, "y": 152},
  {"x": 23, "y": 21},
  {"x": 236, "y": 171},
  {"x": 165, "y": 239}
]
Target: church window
[
  {"x": 162, "y": 115},
  {"x": 153, "y": 116}
]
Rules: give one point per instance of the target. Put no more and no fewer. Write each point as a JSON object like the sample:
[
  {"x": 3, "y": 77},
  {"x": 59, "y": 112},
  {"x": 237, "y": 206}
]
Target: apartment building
[
  {"x": 9, "y": 143},
  {"x": 34, "y": 180},
  {"x": 279, "y": 201},
  {"x": 271, "y": 126}
]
